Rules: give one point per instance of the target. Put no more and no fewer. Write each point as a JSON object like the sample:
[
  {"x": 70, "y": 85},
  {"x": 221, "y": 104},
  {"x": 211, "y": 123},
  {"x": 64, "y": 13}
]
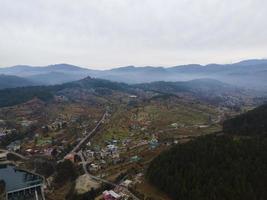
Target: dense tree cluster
[
  {"x": 213, "y": 168},
  {"x": 8, "y": 81},
  {"x": 90, "y": 195},
  {"x": 14, "y": 96},
  {"x": 65, "y": 171},
  {"x": 43, "y": 166},
  {"x": 253, "y": 122}
]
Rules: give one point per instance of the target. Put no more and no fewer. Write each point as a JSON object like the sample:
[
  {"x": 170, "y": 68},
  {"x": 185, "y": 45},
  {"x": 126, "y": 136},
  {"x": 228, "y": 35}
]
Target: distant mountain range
[
  {"x": 47, "y": 75},
  {"x": 249, "y": 73}
]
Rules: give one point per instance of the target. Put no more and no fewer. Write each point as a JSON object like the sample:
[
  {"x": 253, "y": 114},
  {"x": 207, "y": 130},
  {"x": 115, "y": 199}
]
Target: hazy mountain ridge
[
  {"x": 249, "y": 73},
  {"x": 48, "y": 75},
  {"x": 33, "y": 70},
  {"x": 53, "y": 78},
  {"x": 9, "y": 81}
]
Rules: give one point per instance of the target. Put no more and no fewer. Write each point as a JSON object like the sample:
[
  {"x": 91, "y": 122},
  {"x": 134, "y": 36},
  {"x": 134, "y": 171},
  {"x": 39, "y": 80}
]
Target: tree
[{"x": 65, "y": 171}]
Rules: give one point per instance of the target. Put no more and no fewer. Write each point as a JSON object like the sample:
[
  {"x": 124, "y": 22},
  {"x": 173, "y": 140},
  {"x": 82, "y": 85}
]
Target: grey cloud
[{"x": 106, "y": 33}]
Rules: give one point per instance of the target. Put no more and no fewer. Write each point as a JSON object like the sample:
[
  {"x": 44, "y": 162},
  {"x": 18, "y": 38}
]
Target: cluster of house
[
  {"x": 60, "y": 98},
  {"x": 45, "y": 151},
  {"x": 118, "y": 193},
  {"x": 4, "y": 132},
  {"x": 98, "y": 158},
  {"x": 14, "y": 146},
  {"x": 2, "y": 135},
  {"x": 152, "y": 143},
  {"x": 27, "y": 123},
  {"x": 177, "y": 125},
  {"x": 199, "y": 126},
  {"x": 55, "y": 126}
]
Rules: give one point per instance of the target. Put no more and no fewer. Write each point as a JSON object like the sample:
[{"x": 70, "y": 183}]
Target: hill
[
  {"x": 193, "y": 86},
  {"x": 208, "y": 90},
  {"x": 205, "y": 90},
  {"x": 48, "y": 75},
  {"x": 53, "y": 78},
  {"x": 250, "y": 123},
  {"x": 14, "y": 96},
  {"x": 25, "y": 70},
  {"x": 212, "y": 168},
  {"x": 7, "y": 81}
]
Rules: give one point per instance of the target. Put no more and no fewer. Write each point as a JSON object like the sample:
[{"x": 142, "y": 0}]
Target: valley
[
  {"x": 133, "y": 100},
  {"x": 108, "y": 132}
]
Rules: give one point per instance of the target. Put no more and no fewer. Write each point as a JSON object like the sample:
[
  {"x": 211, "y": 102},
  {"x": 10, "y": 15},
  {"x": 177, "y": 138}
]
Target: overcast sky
[{"x": 111, "y": 33}]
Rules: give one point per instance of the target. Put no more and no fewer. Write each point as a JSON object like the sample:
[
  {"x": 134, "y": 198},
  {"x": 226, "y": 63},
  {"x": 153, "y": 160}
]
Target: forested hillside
[
  {"x": 14, "y": 96},
  {"x": 253, "y": 122},
  {"x": 209, "y": 90},
  {"x": 196, "y": 86},
  {"x": 205, "y": 90},
  {"x": 7, "y": 81},
  {"x": 213, "y": 168}
]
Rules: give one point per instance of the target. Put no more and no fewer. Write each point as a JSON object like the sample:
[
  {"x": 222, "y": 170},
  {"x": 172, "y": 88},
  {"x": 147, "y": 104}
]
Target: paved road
[
  {"x": 78, "y": 146},
  {"x": 103, "y": 180},
  {"x": 14, "y": 153}
]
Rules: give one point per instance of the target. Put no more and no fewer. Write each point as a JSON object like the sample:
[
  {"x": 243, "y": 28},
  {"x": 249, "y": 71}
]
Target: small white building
[
  {"x": 112, "y": 148},
  {"x": 127, "y": 183}
]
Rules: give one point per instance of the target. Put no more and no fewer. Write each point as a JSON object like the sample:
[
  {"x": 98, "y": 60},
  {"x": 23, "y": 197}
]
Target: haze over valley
[
  {"x": 133, "y": 100},
  {"x": 250, "y": 74}
]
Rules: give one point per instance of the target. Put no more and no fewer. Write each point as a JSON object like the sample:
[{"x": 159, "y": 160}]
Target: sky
[{"x": 103, "y": 34}]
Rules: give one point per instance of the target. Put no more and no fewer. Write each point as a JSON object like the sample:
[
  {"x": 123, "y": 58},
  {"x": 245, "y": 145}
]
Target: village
[
  {"x": 110, "y": 146},
  {"x": 96, "y": 159}
]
